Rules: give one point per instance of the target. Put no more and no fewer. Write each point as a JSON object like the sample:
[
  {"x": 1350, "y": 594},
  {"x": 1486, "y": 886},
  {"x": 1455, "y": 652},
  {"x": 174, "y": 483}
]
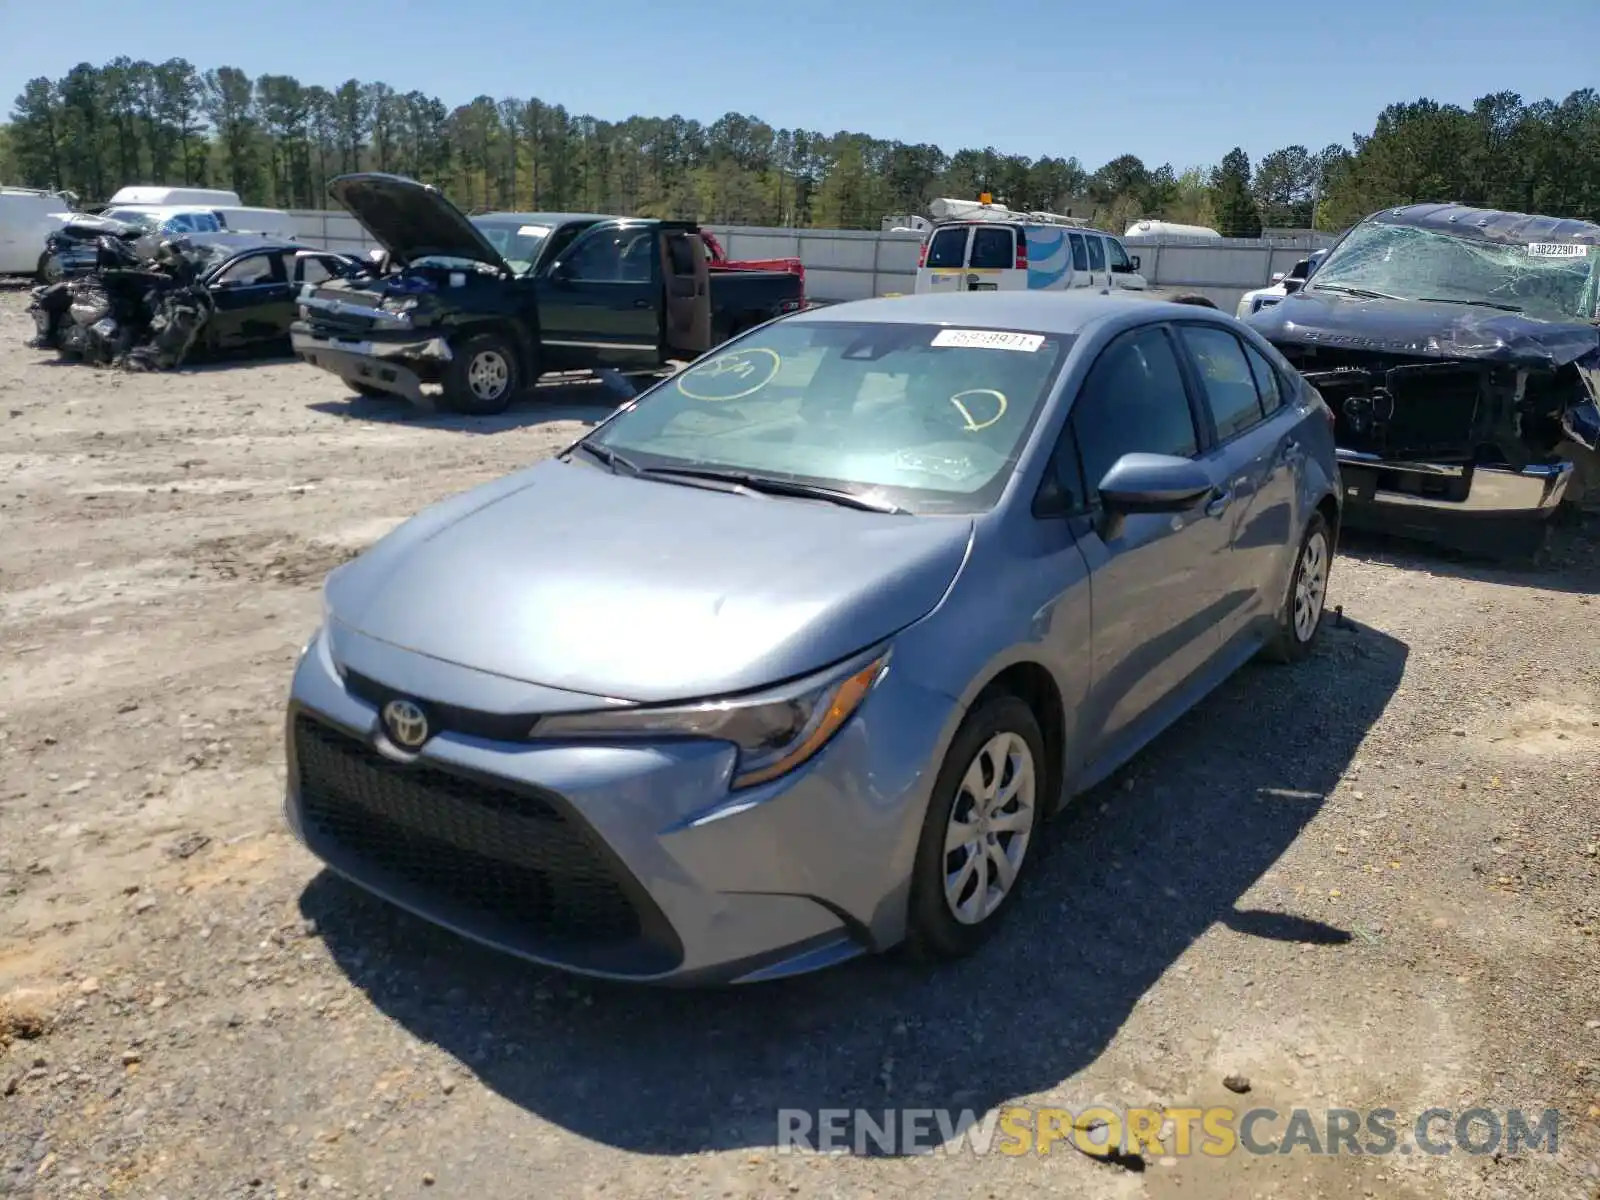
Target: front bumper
[
  {"x": 1468, "y": 507},
  {"x": 386, "y": 363},
  {"x": 628, "y": 861}
]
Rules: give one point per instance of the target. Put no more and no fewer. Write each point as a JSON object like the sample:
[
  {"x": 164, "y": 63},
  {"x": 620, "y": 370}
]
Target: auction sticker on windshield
[
  {"x": 988, "y": 339},
  {"x": 1557, "y": 250},
  {"x": 731, "y": 376},
  {"x": 533, "y": 230}
]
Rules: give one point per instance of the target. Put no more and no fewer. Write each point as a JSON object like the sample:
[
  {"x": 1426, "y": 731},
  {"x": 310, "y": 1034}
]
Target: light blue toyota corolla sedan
[{"x": 787, "y": 659}]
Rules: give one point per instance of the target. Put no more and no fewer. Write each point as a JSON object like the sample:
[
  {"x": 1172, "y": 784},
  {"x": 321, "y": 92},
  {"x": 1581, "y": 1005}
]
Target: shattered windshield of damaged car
[
  {"x": 132, "y": 216},
  {"x": 1549, "y": 282},
  {"x": 926, "y": 418}
]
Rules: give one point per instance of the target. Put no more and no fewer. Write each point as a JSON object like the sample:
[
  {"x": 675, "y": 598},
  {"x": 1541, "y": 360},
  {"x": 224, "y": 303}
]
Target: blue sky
[{"x": 1169, "y": 81}]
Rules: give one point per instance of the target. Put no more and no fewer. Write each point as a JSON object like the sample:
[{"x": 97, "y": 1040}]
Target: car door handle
[{"x": 1218, "y": 504}]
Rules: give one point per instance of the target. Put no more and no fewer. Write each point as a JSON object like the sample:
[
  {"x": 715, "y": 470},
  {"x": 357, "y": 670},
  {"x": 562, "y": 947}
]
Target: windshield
[
  {"x": 925, "y": 418},
  {"x": 1553, "y": 282},
  {"x": 518, "y": 244},
  {"x": 132, "y": 216}
]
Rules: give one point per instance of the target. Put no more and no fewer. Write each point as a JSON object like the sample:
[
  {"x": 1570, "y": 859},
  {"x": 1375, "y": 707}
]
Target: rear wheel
[
  {"x": 1300, "y": 620},
  {"x": 980, "y": 830},
  {"x": 482, "y": 376}
]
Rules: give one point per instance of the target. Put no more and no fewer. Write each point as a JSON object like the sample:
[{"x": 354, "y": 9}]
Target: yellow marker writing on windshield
[
  {"x": 739, "y": 369},
  {"x": 972, "y": 424}
]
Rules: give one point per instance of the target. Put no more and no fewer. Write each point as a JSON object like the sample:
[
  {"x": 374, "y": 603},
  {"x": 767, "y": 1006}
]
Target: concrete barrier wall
[{"x": 849, "y": 264}]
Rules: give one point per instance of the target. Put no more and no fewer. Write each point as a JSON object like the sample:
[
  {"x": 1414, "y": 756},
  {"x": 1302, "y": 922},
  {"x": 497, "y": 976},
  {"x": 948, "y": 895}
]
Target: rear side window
[
  {"x": 1133, "y": 401},
  {"x": 1269, "y": 386},
  {"x": 1080, "y": 252},
  {"x": 1225, "y": 375},
  {"x": 1097, "y": 253},
  {"x": 992, "y": 248},
  {"x": 948, "y": 248}
]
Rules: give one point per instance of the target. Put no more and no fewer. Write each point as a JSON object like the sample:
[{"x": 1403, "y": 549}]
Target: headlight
[
  {"x": 775, "y": 730},
  {"x": 398, "y": 304}
]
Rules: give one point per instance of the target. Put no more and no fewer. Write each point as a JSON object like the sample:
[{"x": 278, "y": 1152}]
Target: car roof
[
  {"x": 543, "y": 218},
  {"x": 1063, "y": 312},
  {"x": 1490, "y": 224}
]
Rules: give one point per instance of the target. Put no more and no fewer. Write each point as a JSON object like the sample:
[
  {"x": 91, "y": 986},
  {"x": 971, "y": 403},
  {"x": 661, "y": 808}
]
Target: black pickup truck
[{"x": 483, "y": 306}]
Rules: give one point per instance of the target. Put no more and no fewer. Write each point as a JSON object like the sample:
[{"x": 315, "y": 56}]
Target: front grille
[{"x": 485, "y": 850}]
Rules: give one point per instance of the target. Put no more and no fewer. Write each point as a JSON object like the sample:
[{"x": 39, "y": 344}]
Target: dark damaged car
[
  {"x": 1460, "y": 351},
  {"x": 482, "y": 306}
]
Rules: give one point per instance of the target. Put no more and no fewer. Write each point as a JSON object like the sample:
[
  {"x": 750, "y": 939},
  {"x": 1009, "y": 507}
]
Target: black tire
[
  {"x": 934, "y": 932},
  {"x": 1291, "y": 641},
  {"x": 483, "y": 375},
  {"x": 43, "y": 273}
]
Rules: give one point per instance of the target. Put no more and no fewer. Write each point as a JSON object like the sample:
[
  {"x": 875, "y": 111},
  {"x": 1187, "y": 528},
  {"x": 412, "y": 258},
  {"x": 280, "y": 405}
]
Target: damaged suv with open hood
[{"x": 1459, "y": 349}]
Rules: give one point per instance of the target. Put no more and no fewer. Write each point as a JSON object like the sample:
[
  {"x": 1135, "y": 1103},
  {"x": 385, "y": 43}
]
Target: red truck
[{"x": 719, "y": 258}]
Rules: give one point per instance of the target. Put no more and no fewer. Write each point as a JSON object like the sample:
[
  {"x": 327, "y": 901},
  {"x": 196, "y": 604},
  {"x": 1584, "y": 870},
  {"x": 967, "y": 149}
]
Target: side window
[
  {"x": 948, "y": 248},
  {"x": 1097, "y": 252},
  {"x": 205, "y": 223},
  {"x": 1080, "y": 252},
  {"x": 1133, "y": 401},
  {"x": 992, "y": 248},
  {"x": 1119, "y": 256},
  {"x": 1268, "y": 385},
  {"x": 1225, "y": 376},
  {"x": 312, "y": 270},
  {"x": 182, "y": 223},
  {"x": 247, "y": 272},
  {"x": 222, "y": 221},
  {"x": 612, "y": 256},
  {"x": 1066, "y": 473}
]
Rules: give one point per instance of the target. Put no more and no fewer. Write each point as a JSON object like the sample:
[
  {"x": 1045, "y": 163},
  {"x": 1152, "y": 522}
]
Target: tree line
[{"x": 277, "y": 141}]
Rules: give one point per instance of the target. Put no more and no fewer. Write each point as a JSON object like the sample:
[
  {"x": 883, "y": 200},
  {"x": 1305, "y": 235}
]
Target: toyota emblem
[{"x": 406, "y": 724}]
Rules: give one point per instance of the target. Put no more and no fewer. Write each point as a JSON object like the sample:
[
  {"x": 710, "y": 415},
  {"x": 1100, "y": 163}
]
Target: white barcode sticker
[
  {"x": 1557, "y": 250},
  {"x": 988, "y": 339}
]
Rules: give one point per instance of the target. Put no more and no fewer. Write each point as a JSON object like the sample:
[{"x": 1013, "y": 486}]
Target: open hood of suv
[{"x": 412, "y": 220}]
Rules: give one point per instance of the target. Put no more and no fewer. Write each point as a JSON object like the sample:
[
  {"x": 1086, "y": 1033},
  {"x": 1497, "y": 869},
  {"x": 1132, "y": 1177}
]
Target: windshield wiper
[
  {"x": 1360, "y": 293},
  {"x": 610, "y": 457},
  {"x": 1474, "y": 303},
  {"x": 776, "y": 487}
]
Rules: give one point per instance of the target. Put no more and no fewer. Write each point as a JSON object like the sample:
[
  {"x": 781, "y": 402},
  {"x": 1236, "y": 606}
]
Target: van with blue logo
[{"x": 985, "y": 247}]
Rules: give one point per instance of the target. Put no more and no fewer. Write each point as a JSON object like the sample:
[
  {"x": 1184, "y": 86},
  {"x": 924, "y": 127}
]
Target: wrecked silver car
[
  {"x": 1460, "y": 351},
  {"x": 153, "y": 304}
]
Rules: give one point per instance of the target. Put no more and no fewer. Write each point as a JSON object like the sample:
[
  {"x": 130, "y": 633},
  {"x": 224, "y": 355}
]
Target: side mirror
[
  {"x": 1134, "y": 259},
  {"x": 1291, "y": 286},
  {"x": 1153, "y": 483}
]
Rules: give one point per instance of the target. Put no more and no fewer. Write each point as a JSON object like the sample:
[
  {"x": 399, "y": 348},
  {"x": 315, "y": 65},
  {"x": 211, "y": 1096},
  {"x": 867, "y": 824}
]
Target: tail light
[
  {"x": 1022, "y": 251},
  {"x": 922, "y": 255}
]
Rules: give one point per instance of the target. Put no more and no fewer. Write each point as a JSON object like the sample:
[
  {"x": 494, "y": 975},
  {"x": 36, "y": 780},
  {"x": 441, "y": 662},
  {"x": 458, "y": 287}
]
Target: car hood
[
  {"x": 412, "y": 220},
  {"x": 570, "y": 577},
  {"x": 1426, "y": 329}
]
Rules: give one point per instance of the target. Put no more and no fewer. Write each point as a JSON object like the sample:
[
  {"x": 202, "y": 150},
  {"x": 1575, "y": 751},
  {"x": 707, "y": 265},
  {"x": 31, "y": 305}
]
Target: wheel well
[
  {"x": 1329, "y": 508},
  {"x": 506, "y": 329},
  {"x": 1034, "y": 686}
]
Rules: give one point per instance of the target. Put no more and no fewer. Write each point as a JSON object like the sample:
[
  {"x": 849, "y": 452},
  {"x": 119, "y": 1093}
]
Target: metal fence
[{"x": 850, "y": 264}]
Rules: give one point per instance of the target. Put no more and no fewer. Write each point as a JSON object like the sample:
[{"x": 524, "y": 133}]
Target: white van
[
  {"x": 27, "y": 217},
  {"x": 147, "y": 196},
  {"x": 1020, "y": 254},
  {"x": 269, "y": 222}
]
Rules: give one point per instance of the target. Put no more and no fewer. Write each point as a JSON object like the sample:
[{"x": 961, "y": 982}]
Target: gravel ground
[{"x": 1370, "y": 881}]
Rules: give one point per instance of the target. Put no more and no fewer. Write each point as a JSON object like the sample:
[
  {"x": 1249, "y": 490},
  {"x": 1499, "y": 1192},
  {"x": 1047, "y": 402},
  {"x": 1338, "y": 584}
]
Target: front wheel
[
  {"x": 1300, "y": 620},
  {"x": 482, "y": 376},
  {"x": 980, "y": 830}
]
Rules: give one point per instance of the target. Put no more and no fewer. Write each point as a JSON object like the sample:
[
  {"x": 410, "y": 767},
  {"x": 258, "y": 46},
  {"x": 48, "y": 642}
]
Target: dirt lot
[{"x": 1368, "y": 882}]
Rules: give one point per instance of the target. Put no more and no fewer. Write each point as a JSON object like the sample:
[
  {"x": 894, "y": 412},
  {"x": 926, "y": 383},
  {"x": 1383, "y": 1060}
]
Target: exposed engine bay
[{"x": 142, "y": 312}]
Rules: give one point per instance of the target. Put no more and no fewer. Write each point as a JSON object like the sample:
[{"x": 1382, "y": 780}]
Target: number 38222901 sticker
[
  {"x": 1557, "y": 250},
  {"x": 988, "y": 339}
]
